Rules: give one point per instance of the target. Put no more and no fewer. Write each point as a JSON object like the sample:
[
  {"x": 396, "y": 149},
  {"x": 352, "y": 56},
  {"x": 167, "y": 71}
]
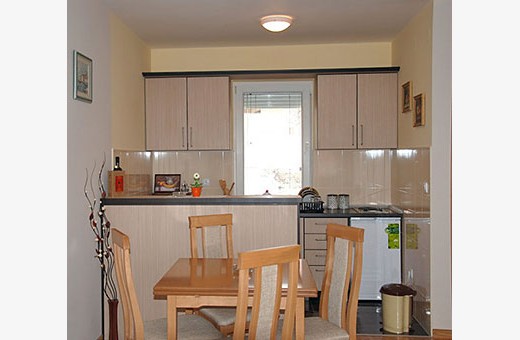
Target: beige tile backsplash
[
  {"x": 363, "y": 174},
  {"x": 399, "y": 177},
  {"x": 212, "y": 165}
]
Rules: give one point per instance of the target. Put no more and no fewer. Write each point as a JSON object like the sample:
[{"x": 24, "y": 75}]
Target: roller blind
[{"x": 255, "y": 102}]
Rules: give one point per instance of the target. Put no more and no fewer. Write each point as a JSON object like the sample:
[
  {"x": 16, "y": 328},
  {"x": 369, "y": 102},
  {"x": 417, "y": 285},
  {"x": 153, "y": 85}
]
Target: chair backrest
[
  {"x": 216, "y": 235},
  {"x": 344, "y": 261},
  {"x": 270, "y": 268},
  {"x": 134, "y": 328}
]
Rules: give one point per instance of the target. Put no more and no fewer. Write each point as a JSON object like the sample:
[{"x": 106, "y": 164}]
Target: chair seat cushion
[
  {"x": 318, "y": 328},
  {"x": 222, "y": 316},
  {"x": 188, "y": 327}
]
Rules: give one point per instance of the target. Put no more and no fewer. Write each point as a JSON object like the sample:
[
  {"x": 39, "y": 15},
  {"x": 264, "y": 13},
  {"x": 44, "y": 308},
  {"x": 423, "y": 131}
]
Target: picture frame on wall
[
  {"x": 419, "y": 109},
  {"x": 407, "y": 96},
  {"x": 82, "y": 77}
]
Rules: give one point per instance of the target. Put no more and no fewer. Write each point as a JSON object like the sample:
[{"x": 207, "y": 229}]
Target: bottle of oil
[
  {"x": 119, "y": 178},
  {"x": 117, "y": 166}
]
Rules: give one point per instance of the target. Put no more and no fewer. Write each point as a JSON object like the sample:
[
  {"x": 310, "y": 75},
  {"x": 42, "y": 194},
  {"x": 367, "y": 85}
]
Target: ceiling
[{"x": 212, "y": 23}]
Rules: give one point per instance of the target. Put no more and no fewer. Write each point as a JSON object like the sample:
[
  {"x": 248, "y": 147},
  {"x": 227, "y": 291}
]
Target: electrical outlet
[{"x": 205, "y": 181}]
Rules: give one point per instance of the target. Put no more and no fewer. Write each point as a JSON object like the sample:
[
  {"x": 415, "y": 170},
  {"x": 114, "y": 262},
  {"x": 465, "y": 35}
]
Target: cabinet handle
[
  {"x": 191, "y": 136},
  {"x": 361, "y": 134},
  {"x": 317, "y": 223},
  {"x": 183, "y": 136},
  {"x": 353, "y": 139},
  {"x": 318, "y": 255},
  {"x": 320, "y": 239},
  {"x": 319, "y": 270}
]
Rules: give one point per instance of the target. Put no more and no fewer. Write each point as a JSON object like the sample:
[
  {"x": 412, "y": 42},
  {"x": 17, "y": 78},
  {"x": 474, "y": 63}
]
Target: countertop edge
[{"x": 215, "y": 200}]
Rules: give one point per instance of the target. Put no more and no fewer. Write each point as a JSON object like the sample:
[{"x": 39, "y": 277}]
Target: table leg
[
  {"x": 300, "y": 318},
  {"x": 172, "y": 317}
]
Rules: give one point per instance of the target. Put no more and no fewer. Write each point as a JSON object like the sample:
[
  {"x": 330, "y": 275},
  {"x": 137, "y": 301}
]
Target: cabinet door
[
  {"x": 165, "y": 106},
  {"x": 336, "y": 111},
  {"x": 377, "y": 111},
  {"x": 208, "y": 113}
]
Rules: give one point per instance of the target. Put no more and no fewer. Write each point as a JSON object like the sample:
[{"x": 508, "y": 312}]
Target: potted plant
[{"x": 196, "y": 186}]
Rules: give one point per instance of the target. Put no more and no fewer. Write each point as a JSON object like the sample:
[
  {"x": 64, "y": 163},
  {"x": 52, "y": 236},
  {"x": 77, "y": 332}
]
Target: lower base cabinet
[{"x": 315, "y": 244}]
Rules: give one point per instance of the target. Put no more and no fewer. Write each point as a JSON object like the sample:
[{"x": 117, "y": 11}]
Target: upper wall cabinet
[
  {"x": 377, "y": 111},
  {"x": 187, "y": 113},
  {"x": 357, "y": 111},
  {"x": 337, "y": 121}
]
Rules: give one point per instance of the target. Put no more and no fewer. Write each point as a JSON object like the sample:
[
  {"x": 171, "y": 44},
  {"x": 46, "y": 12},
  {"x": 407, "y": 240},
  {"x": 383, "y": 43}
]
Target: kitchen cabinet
[
  {"x": 377, "y": 111},
  {"x": 166, "y": 109},
  {"x": 337, "y": 111},
  {"x": 187, "y": 113},
  {"x": 315, "y": 244},
  {"x": 357, "y": 111}
]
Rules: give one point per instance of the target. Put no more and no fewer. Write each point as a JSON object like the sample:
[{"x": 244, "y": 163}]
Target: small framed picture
[
  {"x": 419, "y": 108},
  {"x": 82, "y": 77},
  {"x": 167, "y": 183},
  {"x": 406, "y": 96}
]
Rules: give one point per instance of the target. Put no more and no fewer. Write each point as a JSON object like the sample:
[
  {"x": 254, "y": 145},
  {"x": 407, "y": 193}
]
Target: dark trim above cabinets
[{"x": 391, "y": 69}]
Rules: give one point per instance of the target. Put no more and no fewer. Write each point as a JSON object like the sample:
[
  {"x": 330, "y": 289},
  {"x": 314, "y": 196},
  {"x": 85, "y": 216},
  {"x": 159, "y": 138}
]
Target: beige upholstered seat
[
  {"x": 338, "y": 304},
  {"x": 189, "y": 326},
  {"x": 214, "y": 235},
  {"x": 265, "y": 268}
]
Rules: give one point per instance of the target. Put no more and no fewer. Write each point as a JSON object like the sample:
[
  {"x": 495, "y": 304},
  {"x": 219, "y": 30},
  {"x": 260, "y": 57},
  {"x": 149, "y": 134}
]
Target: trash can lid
[{"x": 397, "y": 289}]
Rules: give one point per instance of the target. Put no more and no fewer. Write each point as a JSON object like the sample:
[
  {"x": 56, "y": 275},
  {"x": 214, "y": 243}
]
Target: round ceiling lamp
[{"x": 276, "y": 23}]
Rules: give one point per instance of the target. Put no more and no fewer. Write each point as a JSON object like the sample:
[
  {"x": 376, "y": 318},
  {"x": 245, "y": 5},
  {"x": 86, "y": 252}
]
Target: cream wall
[
  {"x": 412, "y": 51},
  {"x": 88, "y": 140},
  {"x": 423, "y": 51},
  {"x": 441, "y": 165},
  {"x": 272, "y": 57},
  {"x": 130, "y": 57}
]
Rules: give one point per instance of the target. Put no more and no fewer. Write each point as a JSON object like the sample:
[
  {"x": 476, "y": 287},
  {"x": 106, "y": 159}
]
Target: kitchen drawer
[
  {"x": 315, "y": 241},
  {"x": 319, "y": 225},
  {"x": 318, "y": 272},
  {"x": 315, "y": 257}
]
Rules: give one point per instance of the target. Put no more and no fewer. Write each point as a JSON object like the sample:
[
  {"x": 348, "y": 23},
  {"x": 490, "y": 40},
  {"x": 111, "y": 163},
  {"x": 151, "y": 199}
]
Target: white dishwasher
[{"x": 381, "y": 254}]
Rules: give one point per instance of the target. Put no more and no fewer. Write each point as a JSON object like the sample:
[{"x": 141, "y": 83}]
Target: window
[{"x": 272, "y": 136}]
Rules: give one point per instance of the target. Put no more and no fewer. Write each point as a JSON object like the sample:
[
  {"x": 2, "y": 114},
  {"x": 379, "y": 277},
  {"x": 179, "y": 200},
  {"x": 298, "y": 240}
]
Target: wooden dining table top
[{"x": 218, "y": 277}]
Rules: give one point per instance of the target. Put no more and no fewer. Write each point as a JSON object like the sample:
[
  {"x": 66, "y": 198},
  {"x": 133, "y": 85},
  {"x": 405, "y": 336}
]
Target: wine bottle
[{"x": 117, "y": 167}]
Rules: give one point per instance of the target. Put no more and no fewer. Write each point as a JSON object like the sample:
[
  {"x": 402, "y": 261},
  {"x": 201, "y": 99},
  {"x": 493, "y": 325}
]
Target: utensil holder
[
  {"x": 344, "y": 201},
  {"x": 332, "y": 201}
]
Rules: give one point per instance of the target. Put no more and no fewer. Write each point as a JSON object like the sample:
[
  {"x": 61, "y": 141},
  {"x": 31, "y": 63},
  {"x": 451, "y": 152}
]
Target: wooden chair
[
  {"x": 189, "y": 326},
  {"x": 340, "y": 287},
  {"x": 216, "y": 241},
  {"x": 266, "y": 266}
]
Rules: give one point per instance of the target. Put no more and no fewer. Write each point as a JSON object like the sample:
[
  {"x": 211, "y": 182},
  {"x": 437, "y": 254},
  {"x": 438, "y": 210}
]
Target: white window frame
[{"x": 241, "y": 87}]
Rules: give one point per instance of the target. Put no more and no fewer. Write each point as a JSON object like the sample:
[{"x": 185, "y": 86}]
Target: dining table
[{"x": 193, "y": 283}]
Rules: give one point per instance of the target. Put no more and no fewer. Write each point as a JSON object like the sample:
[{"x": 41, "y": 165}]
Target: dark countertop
[
  {"x": 339, "y": 213},
  {"x": 204, "y": 200}
]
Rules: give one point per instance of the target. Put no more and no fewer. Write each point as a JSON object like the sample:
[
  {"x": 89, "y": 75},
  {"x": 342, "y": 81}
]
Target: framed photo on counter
[
  {"x": 82, "y": 77},
  {"x": 418, "y": 119},
  {"x": 167, "y": 183}
]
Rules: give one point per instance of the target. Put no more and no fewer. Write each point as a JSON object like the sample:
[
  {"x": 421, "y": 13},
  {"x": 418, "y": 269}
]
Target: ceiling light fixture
[{"x": 276, "y": 23}]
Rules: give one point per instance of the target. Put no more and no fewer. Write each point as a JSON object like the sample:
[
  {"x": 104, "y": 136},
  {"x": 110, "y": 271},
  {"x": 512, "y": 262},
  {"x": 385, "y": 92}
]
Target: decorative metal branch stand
[{"x": 100, "y": 225}]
